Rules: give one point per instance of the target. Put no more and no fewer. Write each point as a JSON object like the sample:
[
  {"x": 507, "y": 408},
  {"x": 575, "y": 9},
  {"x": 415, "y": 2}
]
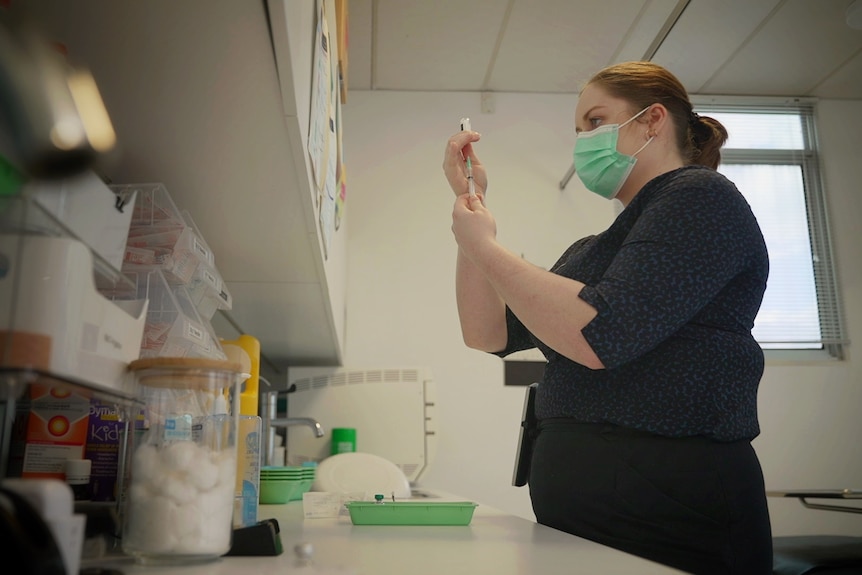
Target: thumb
[{"x": 475, "y": 202}]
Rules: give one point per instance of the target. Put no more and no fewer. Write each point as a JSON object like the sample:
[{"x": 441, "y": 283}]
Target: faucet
[
  {"x": 269, "y": 422},
  {"x": 289, "y": 421},
  {"x": 268, "y": 433}
]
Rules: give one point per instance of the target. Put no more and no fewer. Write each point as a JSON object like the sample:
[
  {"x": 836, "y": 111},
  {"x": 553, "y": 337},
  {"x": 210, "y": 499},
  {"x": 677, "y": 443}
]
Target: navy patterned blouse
[{"x": 677, "y": 280}]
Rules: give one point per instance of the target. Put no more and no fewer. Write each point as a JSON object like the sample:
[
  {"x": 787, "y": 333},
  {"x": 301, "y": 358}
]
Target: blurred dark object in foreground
[{"x": 56, "y": 121}]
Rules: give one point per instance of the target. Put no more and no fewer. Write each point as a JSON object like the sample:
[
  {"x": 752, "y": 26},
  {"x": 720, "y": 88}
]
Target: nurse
[{"x": 648, "y": 404}]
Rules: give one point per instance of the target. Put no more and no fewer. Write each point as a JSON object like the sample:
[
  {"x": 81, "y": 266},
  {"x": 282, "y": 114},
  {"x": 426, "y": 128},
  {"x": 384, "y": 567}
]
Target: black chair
[
  {"x": 823, "y": 554},
  {"x": 820, "y": 554}
]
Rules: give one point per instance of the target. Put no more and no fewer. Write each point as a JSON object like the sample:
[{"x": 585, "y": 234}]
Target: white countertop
[{"x": 494, "y": 542}]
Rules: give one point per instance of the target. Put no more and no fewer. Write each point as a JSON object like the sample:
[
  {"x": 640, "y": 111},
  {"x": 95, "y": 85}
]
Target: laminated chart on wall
[
  {"x": 340, "y": 173},
  {"x": 319, "y": 124},
  {"x": 323, "y": 136},
  {"x": 327, "y": 204},
  {"x": 341, "y": 25}
]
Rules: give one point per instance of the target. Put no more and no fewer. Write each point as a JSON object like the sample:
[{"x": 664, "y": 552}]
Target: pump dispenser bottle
[{"x": 246, "y": 350}]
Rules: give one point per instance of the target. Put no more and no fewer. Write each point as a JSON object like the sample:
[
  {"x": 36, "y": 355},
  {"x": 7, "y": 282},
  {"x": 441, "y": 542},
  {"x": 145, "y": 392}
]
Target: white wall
[{"x": 400, "y": 292}]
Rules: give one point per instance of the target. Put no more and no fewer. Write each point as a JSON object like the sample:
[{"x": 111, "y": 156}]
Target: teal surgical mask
[{"x": 598, "y": 163}]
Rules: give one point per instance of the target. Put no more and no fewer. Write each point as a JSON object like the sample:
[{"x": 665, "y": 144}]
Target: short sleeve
[
  {"x": 519, "y": 337},
  {"x": 685, "y": 247}
]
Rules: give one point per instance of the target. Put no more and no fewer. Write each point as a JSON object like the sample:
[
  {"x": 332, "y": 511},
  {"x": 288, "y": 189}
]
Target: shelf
[{"x": 14, "y": 380}]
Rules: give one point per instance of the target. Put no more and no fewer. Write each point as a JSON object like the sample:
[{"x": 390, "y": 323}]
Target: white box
[
  {"x": 50, "y": 281},
  {"x": 90, "y": 210}
]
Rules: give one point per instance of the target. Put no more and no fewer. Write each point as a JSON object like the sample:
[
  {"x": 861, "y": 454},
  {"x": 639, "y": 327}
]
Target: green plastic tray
[{"x": 411, "y": 512}]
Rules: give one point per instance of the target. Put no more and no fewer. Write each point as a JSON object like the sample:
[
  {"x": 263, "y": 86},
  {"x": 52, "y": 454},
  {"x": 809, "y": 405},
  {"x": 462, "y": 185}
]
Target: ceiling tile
[
  {"x": 740, "y": 47},
  {"x": 706, "y": 36},
  {"x": 441, "y": 45},
  {"x": 555, "y": 45},
  {"x": 646, "y": 29},
  {"x": 845, "y": 83},
  {"x": 801, "y": 45}
]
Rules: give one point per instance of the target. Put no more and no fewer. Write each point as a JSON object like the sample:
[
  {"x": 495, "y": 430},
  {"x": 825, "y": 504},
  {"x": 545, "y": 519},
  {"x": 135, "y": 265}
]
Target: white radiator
[{"x": 392, "y": 410}]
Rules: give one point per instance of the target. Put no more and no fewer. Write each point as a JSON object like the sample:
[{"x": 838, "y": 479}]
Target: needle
[
  {"x": 470, "y": 178},
  {"x": 465, "y": 125}
]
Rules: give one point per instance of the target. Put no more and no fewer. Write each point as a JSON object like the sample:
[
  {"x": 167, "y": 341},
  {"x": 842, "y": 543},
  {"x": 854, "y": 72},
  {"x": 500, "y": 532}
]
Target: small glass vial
[{"x": 78, "y": 478}]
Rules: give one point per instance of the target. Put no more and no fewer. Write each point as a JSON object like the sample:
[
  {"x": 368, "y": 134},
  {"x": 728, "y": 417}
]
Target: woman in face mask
[{"x": 648, "y": 403}]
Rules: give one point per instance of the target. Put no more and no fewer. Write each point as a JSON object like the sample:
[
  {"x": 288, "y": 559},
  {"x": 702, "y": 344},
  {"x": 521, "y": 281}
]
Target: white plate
[{"x": 346, "y": 472}]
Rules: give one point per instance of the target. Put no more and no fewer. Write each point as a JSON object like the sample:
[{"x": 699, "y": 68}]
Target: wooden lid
[
  {"x": 185, "y": 372},
  {"x": 185, "y": 363}
]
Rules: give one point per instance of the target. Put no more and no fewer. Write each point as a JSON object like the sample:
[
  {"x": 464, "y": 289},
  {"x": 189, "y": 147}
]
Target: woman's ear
[{"x": 656, "y": 118}]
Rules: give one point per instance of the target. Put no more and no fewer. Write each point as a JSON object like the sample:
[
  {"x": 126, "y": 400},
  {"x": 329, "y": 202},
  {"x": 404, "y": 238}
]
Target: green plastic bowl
[{"x": 274, "y": 491}]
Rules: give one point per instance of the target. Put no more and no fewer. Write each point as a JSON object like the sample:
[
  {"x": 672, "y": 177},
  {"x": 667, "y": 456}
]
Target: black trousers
[{"x": 694, "y": 504}]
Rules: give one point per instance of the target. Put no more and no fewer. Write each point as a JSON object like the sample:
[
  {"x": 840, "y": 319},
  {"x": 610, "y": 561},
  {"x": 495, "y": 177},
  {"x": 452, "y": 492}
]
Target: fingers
[
  {"x": 458, "y": 148},
  {"x": 467, "y": 203},
  {"x": 460, "y": 145}
]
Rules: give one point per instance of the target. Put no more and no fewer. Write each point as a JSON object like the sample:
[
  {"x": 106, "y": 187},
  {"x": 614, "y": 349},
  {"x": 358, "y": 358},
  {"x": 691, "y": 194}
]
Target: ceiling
[{"x": 801, "y": 48}]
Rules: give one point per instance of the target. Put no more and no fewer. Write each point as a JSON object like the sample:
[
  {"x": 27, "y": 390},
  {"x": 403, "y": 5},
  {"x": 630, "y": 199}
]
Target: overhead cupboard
[{"x": 214, "y": 100}]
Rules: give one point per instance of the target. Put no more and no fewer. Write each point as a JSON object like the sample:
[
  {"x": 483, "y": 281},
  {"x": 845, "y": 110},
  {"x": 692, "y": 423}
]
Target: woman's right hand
[
  {"x": 458, "y": 149},
  {"x": 473, "y": 224}
]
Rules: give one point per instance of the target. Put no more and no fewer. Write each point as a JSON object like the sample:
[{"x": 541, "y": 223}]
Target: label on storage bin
[
  {"x": 194, "y": 332},
  {"x": 178, "y": 428},
  {"x": 202, "y": 251}
]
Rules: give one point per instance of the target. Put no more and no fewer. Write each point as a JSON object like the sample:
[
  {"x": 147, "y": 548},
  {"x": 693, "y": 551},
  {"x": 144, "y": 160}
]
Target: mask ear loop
[
  {"x": 651, "y": 138},
  {"x": 635, "y": 117},
  {"x": 650, "y": 134}
]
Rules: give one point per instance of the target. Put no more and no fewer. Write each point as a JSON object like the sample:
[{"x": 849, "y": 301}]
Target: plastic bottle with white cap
[{"x": 78, "y": 478}]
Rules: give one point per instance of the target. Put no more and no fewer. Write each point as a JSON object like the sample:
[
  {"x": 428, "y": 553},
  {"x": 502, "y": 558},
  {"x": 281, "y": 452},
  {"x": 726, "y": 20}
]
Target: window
[{"x": 771, "y": 155}]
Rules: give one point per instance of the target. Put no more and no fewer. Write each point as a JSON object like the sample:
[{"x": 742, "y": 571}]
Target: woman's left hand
[{"x": 458, "y": 149}]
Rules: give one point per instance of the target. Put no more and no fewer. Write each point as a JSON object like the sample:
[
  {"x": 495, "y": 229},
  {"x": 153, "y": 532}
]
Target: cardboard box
[
  {"x": 104, "y": 432},
  {"x": 50, "y": 427}
]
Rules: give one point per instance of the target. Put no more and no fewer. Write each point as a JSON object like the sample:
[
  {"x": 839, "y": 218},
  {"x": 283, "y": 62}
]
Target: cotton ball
[
  {"x": 199, "y": 529},
  {"x": 180, "y": 456},
  {"x": 216, "y": 529},
  {"x": 151, "y": 526},
  {"x": 215, "y": 538},
  {"x": 177, "y": 488},
  {"x": 222, "y": 514},
  {"x": 191, "y": 539},
  {"x": 226, "y": 462},
  {"x": 193, "y": 514},
  {"x": 145, "y": 464},
  {"x": 214, "y": 501},
  {"x": 140, "y": 491},
  {"x": 206, "y": 475},
  {"x": 188, "y": 523},
  {"x": 190, "y": 544}
]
